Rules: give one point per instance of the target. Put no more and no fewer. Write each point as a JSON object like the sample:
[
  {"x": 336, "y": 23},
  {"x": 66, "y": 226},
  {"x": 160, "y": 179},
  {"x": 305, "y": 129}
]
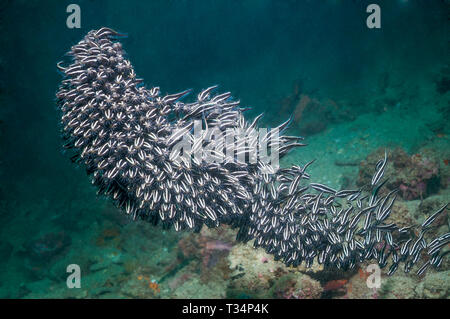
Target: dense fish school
[{"x": 124, "y": 133}]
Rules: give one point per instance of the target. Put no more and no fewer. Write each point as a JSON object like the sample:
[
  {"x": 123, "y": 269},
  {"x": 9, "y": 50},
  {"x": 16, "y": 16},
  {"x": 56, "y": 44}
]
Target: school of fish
[{"x": 124, "y": 134}]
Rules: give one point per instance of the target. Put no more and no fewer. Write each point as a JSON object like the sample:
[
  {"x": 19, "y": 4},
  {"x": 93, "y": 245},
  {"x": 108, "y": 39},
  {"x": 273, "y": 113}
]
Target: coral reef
[{"x": 124, "y": 135}]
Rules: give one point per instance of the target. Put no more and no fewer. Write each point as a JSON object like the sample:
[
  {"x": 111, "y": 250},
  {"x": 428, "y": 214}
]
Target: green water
[{"x": 367, "y": 89}]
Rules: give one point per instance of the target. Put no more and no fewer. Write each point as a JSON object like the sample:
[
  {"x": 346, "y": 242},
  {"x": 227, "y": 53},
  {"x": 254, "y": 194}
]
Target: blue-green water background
[{"x": 257, "y": 49}]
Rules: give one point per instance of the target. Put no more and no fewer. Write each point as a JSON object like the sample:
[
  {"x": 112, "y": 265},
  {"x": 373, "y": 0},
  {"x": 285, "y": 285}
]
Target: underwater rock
[
  {"x": 48, "y": 246},
  {"x": 434, "y": 286},
  {"x": 430, "y": 205},
  {"x": 441, "y": 154},
  {"x": 287, "y": 104},
  {"x": 108, "y": 236},
  {"x": 400, "y": 287},
  {"x": 292, "y": 286},
  {"x": 310, "y": 122},
  {"x": 416, "y": 176},
  {"x": 355, "y": 288},
  {"x": 179, "y": 280},
  {"x": 254, "y": 272},
  {"x": 202, "y": 290},
  {"x": 402, "y": 214},
  {"x": 41, "y": 254},
  {"x": 202, "y": 245},
  {"x": 313, "y": 116},
  {"x": 206, "y": 252},
  {"x": 140, "y": 286},
  {"x": 102, "y": 265}
]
